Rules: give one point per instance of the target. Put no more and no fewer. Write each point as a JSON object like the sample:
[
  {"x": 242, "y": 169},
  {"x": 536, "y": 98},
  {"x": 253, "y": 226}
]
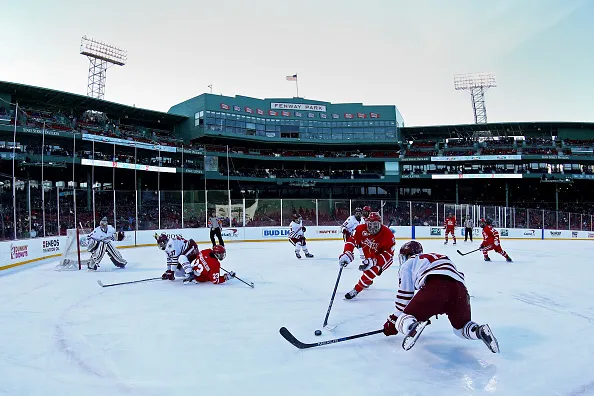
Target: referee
[
  {"x": 215, "y": 228},
  {"x": 467, "y": 229}
]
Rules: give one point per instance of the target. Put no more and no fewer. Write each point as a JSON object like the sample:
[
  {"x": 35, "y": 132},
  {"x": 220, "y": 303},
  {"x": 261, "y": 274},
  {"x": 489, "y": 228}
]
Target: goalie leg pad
[
  {"x": 114, "y": 255},
  {"x": 92, "y": 245},
  {"x": 98, "y": 252}
]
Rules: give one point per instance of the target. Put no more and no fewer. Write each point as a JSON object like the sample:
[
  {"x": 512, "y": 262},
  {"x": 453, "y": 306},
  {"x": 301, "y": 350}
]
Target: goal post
[{"x": 75, "y": 255}]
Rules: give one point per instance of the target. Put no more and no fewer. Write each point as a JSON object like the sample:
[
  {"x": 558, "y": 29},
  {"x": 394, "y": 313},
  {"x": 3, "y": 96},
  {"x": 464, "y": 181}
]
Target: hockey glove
[
  {"x": 496, "y": 243},
  {"x": 345, "y": 259},
  {"x": 121, "y": 236},
  {"x": 390, "y": 326},
  {"x": 229, "y": 275},
  {"x": 367, "y": 264},
  {"x": 303, "y": 229}
]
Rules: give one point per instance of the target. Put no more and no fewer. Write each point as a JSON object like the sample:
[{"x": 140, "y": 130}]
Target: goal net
[{"x": 75, "y": 255}]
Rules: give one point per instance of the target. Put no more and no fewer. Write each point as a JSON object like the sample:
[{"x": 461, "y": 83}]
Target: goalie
[{"x": 100, "y": 241}]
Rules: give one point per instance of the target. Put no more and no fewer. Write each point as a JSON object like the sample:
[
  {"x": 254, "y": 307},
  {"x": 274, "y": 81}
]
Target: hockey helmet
[
  {"x": 374, "y": 223},
  {"x": 219, "y": 252},
  {"x": 162, "y": 241},
  {"x": 484, "y": 222},
  {"x": 409, "y": 249},
  {"x": 296, "y": 217},
  {"x": 366, "y": 210}
]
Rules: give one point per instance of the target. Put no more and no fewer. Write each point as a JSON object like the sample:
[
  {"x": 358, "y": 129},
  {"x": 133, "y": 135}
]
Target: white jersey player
[
  {"x": 181, "y": 253},
  {"x": 297, "y": 236},
  {"x": 100, "y": 241},
  {"x": 348, "y": 227}
]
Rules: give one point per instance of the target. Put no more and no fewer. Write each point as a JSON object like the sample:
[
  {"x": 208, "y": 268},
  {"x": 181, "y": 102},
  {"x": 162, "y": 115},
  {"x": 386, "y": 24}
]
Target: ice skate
[
  {"x": 352, "y": 294},
  {"x": 445, "y": 243},
  {"x": 487, "y": 258},
  {"x": 308, "y": 255},
  {"x": 189, "y": 278},
  {"x": 485, "y": 334},
  {"x": 509, "y": 259},
  {"x": 297, "y": 255}
]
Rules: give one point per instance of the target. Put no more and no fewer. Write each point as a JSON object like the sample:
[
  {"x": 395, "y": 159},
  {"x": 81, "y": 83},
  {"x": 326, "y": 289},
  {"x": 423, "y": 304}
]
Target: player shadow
[
  {"x": 513, "y": 340},
  {"x": 461, "y": 363}
]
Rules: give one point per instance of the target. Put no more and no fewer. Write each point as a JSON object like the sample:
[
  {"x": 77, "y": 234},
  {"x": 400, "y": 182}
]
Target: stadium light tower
[
  {"x": 477, "y": 84},
  {"x": 101, "y": 57}
]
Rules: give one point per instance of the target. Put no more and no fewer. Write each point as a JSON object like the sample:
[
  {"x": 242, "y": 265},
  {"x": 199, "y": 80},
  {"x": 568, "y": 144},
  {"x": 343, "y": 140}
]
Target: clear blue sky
[{"x": 400, "y": 52}]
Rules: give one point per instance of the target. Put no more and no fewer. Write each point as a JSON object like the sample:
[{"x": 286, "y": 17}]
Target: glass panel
[
  {"x": 305, "y": 207},
  {"x": 237, "y": 213},
  {"x": 36, "y": 210},
  {"x": 6, "y": 208},
  {"x": 125, "y": 210},
  {"x": 84, "y": 210},
  {"x": 550, "y": 220},
  {"x": 51, "y": 212},
  {"x": 148, "y": 210},
  {"x": 171, "y": 203},
  {"x": 263, "y": 212},
  {"x": 332, "y": 212},
  {"x": 22, "y": 209},
  {"x": 397, "y": 213},
  {"x": 103, "y": 207},
  {"x": 218, "y": 202},
  {"x": 66, "y": 210},
  {"x": 520, "y": 219},
  {"x": 424, "y": 214},
  {"x": 194, "y": 209}
]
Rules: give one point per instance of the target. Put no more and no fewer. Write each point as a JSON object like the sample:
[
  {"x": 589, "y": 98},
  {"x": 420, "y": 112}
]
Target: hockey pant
[
  {"x": 497, "y": 249},
  {"x": 217, "y": 232},
  {"x": 450, "y": 231},
  {"x": 441, "y": 295},
  {"x": 369, "y": 275},
  {"x": 98, "y": 249},
  {"x": 299, "y": 243}
]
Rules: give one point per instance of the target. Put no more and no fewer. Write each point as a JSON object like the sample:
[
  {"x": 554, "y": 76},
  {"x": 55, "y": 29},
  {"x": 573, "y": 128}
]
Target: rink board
[{"x": 27, "y": 251}]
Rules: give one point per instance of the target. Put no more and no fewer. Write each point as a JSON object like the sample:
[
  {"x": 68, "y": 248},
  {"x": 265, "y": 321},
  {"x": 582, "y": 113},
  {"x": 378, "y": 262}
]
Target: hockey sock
[
  {"x": 468, "y": 332},
  {"x": 366, "y": 279}
]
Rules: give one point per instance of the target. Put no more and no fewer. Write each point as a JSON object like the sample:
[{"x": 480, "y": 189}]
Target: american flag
[{"x": 292, "y": 78}]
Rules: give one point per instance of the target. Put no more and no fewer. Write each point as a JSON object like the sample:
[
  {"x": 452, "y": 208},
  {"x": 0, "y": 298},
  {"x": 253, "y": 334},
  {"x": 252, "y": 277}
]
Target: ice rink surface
[{"x": 62, "y": 334}]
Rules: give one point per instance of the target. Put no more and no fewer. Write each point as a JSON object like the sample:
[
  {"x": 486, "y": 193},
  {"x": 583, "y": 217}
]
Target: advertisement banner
[{"x": 297, "y": 106}]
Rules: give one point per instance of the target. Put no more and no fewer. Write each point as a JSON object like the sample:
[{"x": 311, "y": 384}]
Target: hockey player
[
  {"x": 491, "y": 241},
  {"x": 450, "y": 228},
  {"x": 297, "y": 236},
  {"x": 365, "y": 212},
  {"x": 377, "y": 242},
  {"x": 440, "y": 290},
  {"x": 181, "y": 253},
  {"x": 207, "y": 266},
  {"x": 348, "y": 227},
  {"x": 99, "y": 241}
]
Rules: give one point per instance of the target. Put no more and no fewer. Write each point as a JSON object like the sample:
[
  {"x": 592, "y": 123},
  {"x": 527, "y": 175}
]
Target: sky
[{"x": 373, "y": 52}]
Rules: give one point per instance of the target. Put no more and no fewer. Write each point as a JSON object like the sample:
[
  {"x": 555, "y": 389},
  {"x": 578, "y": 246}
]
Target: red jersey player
[
  {"x": 366, "y": 211},
  {"x": 207, "y": 266},
  {"x": 377, "y": 242},
  {"x": 440, "y": 290},
  {"x": 491, "y": 241},
  {"x": 450, "y": 227}
]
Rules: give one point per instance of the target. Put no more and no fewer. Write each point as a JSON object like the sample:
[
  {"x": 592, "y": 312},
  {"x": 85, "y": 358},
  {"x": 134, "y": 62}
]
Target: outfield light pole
[
  {"x": 477, "y": 84},
  {"x": 101, "y": 57}
]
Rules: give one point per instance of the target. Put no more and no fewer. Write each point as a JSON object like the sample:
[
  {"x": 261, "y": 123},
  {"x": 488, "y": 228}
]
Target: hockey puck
[{"x": 318, "y": 332}]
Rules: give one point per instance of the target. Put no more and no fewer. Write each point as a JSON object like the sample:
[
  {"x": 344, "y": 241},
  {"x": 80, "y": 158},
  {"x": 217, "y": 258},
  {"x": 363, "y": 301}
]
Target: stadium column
[
  {"x": 506, "y": 195},
  {"x": 91, "y": 196},
  {"x": 457, "y": 191}
]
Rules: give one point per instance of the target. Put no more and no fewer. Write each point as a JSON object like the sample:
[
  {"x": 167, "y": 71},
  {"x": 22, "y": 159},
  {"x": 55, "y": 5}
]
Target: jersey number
[{"x": 433, "y": 257}]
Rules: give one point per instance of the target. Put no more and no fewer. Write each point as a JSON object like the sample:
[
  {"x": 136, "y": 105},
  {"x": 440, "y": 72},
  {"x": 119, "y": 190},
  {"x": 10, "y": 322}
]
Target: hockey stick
[
  {"x": 301, "y": 345},
  {"x": 332, "y": 298},
  {"x": 127, "y": 283},
  {"x": 464, "y": 254},
  {"x": 250, "y": 284}
]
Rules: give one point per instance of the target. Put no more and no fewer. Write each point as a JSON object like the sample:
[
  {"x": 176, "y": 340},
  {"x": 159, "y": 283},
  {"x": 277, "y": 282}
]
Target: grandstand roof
[
  {"x": 495, "y": 129},
  {"x": 51, "y": 97}
]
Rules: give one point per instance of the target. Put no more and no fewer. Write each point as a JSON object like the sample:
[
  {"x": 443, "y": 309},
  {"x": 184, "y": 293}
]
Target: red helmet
[
  {"x": 219, "y": 252},
  {"x": 409, "y": 249},
  {"x": 162, "y": 241},
  {"x": 374, "y": 223}
]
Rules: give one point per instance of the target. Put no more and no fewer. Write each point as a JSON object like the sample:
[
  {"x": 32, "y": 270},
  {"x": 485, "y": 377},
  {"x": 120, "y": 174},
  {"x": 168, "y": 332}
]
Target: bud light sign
[{"x": 275, "y": 233}]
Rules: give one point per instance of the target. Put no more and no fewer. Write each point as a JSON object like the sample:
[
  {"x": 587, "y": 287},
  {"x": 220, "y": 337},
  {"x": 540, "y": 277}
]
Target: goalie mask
[
  {"x": 219, "y": 252},
  {"x": 103, "y": 224},
  {"x": 374, "y": 223}
]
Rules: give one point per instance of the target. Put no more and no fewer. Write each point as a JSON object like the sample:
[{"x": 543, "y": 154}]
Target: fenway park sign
[{"x": 297, "y": 106}]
